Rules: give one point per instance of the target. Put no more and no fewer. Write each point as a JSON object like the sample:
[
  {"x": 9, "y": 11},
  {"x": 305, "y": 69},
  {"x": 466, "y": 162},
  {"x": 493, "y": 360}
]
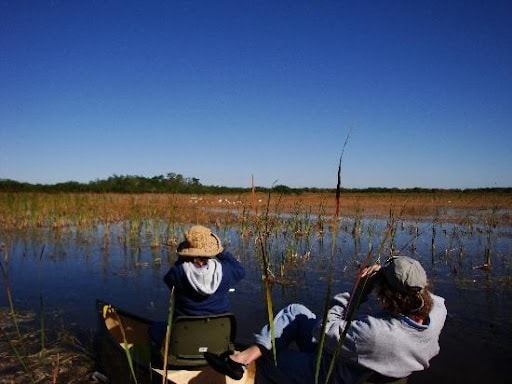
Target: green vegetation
[{"x": 177, "y": 183}]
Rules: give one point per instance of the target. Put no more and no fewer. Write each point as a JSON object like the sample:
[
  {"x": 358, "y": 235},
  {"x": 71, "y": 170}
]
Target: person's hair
[
  {"x": 414, "y": 302},
  {"x": 183, "y": 245}
]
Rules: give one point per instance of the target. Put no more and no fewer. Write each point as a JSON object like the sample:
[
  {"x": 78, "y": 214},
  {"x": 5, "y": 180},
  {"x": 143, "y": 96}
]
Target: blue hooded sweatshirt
[{"x": 204, "y": 290}]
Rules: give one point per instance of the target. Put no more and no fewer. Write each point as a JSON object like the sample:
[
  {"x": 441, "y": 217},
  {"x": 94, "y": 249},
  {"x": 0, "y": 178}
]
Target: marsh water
[{"x": 62, "y": 271}]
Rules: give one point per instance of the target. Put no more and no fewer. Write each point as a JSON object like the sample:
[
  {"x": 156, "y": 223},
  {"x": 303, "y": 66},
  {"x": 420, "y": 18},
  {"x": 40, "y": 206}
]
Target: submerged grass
[
  {"x": 17, "y": 353},
  {"x": 4, "y": 269},
  {"x": 21, "y": 361}
]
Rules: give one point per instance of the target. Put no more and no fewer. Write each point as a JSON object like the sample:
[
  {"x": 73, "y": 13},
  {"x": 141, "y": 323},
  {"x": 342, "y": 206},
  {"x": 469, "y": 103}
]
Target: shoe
[{"x": 223, "y": 364}]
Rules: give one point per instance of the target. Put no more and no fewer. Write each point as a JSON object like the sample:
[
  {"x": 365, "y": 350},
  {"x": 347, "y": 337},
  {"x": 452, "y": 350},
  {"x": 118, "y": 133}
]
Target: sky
[{"x": 230, "y": 91}]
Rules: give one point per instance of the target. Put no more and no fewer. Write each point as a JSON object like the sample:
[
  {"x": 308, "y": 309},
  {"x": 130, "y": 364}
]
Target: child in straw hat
[
  {"x": 203, "y": 274},
  {"x": 201, "y": 277}
]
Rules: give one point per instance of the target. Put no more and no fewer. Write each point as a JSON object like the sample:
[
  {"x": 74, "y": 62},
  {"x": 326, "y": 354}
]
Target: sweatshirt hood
[{"x": 206, "y": 279}]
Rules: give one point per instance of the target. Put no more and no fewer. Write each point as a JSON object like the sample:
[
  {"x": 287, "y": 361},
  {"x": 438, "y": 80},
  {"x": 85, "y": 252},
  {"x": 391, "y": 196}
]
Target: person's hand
[
  {"x": 367, "y": 280},
  {"x": 370, "y": 271}
]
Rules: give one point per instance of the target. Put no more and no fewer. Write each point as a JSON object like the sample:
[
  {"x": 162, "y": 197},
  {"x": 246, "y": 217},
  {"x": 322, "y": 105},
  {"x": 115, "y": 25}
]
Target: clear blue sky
[{"x": 222, "y": 90}]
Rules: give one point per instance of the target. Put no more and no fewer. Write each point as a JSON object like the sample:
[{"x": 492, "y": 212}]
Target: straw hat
[
  {"x": 200, "y": 242},
  {"x": 404, "y": 273}
]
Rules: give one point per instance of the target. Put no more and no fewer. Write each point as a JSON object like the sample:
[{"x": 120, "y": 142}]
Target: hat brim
[{"x": 212, "y": 248}]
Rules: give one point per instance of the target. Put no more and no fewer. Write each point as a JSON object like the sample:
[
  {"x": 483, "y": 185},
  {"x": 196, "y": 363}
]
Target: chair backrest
[{"x": 191, "y": 336}]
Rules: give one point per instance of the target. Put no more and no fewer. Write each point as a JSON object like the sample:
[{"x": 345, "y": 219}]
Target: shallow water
[{"x": 63, "y": 271}]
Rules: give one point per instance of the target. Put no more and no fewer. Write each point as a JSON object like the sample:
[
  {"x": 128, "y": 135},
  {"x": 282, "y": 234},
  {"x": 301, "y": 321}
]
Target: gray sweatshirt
[{"x": 393, "y": 347}]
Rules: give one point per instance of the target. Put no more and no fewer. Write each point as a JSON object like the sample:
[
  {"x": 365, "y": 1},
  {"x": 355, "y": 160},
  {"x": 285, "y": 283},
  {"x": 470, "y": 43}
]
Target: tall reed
[
  {"x": 330, "y": 278},
  {"x": 126, "y": 345},
  {"x": 41, "y": 303},
  {"x": 170, "y": 316},
  {"x": 262, "y": 239},
  {"x": 355, "y": 300}
]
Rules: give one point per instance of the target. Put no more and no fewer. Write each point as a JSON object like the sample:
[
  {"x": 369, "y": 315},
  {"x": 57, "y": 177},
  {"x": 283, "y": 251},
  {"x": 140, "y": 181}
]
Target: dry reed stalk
[{"x": 55, "y": 371}]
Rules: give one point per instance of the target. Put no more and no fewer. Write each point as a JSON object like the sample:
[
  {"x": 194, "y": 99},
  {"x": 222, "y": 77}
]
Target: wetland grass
[
  {"x": 4, "y": 269},
  {"x": 281, "y": 227},
  {"x": 43, "y": 210},
  {"x": 53, "y": 360},
  {"x": 18, "y": 355}
]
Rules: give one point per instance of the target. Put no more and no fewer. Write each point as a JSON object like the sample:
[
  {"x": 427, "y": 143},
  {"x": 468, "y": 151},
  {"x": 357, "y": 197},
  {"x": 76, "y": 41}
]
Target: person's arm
[
  {"x": 335, "y": 321},
  {"x": 170, "y": 277},
  {"x": 236, "y": 268},
  {"x": 358, "y": 335}
]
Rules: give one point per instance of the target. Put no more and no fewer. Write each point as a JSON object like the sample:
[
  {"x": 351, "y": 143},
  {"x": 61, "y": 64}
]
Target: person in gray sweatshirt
[{"x": 393, "y": 342}]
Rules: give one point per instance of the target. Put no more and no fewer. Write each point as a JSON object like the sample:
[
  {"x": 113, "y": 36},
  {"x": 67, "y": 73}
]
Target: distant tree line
[
  {"x": 177, "y": 183},
  {"x": 170, "y": 183}
]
